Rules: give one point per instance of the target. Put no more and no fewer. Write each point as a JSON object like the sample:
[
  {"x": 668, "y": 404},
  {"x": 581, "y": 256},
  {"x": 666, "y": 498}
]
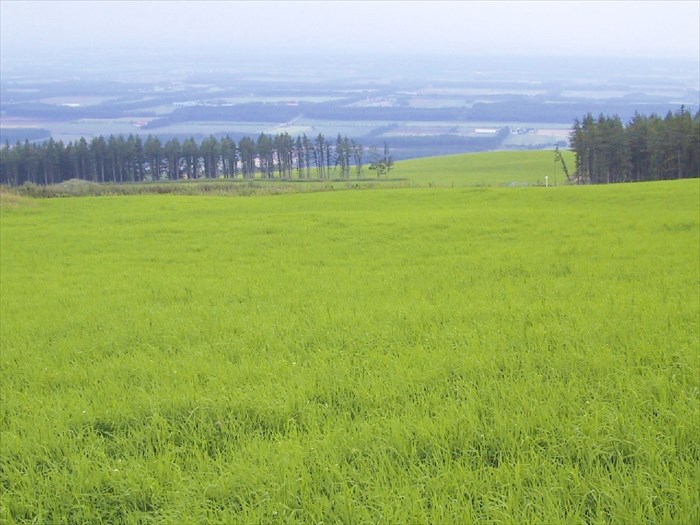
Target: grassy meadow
[
  {"x": 404, "y": 355},
  {"x": 500, "y": 168}
]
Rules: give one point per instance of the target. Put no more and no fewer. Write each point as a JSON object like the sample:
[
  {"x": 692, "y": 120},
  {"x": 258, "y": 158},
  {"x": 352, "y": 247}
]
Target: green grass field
[
  {"x": 405, "y": 355},
  {"x": 486, "y": 169}
]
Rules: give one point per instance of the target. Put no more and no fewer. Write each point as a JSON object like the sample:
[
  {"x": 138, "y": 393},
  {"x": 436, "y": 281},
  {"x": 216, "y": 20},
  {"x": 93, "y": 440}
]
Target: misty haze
[
  {"x": 420, "y": 105},
  {"x": 427, "y": 77}
]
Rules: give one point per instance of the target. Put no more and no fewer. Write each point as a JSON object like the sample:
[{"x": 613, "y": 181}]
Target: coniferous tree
[
  {"x": 299, "y": 156},
  {"x": 647, "y": 148},
  {"x": 210, "y": 152},
  {"x": 173, "y": 153},
  {"x": 638, "y": 141},
  {"x": 190, "y": 151},
  {"x": 308, "y": 148},
  {"x": 247, "y": 152},
  {"x": 266, "y": 154},
  {"x": 98, "y": 148},
  {"x": 153, "y": 150},
  {"x": 229, "y": 157},
  {"x": 358, "y": 152},
  {"x": 7, "y": 175},
  {"x": 319, "y": 154}
]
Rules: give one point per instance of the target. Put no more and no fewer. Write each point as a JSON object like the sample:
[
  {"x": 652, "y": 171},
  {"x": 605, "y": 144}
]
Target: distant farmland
[{"x": 422, "y": 108}]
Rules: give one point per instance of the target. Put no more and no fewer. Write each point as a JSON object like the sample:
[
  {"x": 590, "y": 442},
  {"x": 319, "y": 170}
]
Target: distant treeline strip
[
  {"x": 647, "y": 148},
  {"x": 118, "y": 159}
]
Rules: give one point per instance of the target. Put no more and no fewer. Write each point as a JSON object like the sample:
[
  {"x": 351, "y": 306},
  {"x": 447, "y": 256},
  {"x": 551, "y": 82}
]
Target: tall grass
[{"x": 506, "y": 355}]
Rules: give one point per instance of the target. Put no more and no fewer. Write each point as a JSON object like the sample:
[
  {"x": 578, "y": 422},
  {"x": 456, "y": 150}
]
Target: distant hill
[{"x": 489, "y": 169}]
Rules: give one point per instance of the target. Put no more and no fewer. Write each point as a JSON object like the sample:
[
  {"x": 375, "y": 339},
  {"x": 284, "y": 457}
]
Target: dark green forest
[
  {"x": 120, "y": 160},
  {"x": 647, "y": 148}
]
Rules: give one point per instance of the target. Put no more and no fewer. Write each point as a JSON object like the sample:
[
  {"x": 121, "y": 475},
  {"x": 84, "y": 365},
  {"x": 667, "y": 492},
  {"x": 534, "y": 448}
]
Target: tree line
[
  {"x": 119, "y": 160},
  {"x": 647, "y": 148}
]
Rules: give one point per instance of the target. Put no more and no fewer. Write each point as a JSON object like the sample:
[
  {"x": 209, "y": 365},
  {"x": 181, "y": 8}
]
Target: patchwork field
[{"x": 404, "y": 355}]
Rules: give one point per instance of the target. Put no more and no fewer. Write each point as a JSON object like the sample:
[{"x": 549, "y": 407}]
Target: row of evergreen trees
[
  {"x": 647, "y": 148},
  {"x": 118, "y": 159}
]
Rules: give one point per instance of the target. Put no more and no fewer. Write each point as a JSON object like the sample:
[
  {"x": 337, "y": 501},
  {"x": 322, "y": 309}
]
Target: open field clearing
[
  {"x": 486, "y": 169},
  {"x": 403, "y": 355}
]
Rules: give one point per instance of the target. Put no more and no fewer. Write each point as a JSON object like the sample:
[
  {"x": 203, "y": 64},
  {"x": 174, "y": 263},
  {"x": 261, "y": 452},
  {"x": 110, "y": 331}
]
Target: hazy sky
[{"x": 597, "y": 28}]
